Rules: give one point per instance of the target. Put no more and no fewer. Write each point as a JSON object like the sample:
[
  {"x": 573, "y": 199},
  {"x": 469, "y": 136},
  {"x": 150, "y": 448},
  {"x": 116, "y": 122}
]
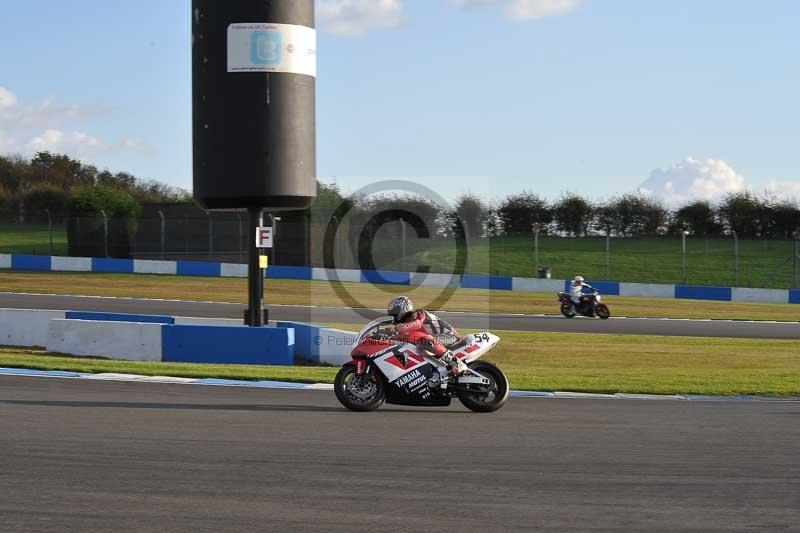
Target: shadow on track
[{"x": 206, "y": 407}]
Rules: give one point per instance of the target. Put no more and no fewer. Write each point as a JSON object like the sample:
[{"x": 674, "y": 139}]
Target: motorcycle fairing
[{"x": 475, "y": 346}]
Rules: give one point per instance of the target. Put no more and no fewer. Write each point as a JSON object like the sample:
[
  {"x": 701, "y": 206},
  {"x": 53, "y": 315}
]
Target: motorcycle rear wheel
[
  {"x": 602, "y": 311},
  {"x": 367, "y": 395},
  {"x": 481, "y": 401},
  {"x": 568, "y": 310}
]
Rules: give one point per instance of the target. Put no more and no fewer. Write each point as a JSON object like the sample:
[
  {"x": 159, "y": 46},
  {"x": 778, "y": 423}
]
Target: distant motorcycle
[
  {"x": 590, "y": 306},
  {"x": 385, "y": 369}
]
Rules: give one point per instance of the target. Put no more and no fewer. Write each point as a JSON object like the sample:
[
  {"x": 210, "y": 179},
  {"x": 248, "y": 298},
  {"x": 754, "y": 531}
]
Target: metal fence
[{"x": 222, "y": 237}]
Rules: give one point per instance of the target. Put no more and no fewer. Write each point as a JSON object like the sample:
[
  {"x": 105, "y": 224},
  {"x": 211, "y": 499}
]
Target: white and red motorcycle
[{"x": 384, "y": 369}]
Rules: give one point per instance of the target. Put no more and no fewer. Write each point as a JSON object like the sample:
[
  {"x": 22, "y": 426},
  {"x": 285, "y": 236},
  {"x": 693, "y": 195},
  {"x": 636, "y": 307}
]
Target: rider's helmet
[
  {"x": 400, "y": 307},
  {"x": 579, "y": 280}
]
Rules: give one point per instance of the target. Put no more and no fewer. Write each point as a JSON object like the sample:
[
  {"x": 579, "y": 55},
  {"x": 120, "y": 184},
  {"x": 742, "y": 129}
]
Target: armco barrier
[
  {"x": 385, "y": 277},
  {"x": 495, "y": 283},
  {"x": 758, "y": 295},
  {"x": 317, "y": 344},
  {"x": 505, "y": 283},
  {"x": 118, "y": 317},
  {"x": 282, "y": 272},
  {"x": 610, "y": 288},
  {"x": 644, "y": 290},
  {"x": 26, "y": 328},
  {"x": 31, "y": 262},
  {"x": 228, "y": 345},
  {"x": 116, "y": 340},
  {"x": 192, "y": 268},
  {"x": 155, "y": 267},
  {"x": 335, "y": 346},
  {"x": 305, "y": 346},
  {"x": 690, "y": 292},
  {"x": 72, "y": 264},
  {"x": 113, "y": 266}
]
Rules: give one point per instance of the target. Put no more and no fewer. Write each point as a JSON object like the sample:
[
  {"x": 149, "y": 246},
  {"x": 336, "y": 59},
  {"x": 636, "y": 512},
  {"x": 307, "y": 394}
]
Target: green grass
[
  {"x": 543, "y": 361},
  {"x": 651, "y": 260},
  {"x": 34, "y": 239},
  {"x": 646, "y": 260},
  {"x": 41, "y": 360},
  {"x": 294, "y": 292}
]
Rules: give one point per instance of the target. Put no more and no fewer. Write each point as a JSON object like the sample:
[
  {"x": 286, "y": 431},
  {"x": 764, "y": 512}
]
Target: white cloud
[
  {"x": 77, "y": 144},
  {"x": 29, "y": 128},
  {"x": 357, "y": 17},
  {"x": 524, "y": 9},
  {"x": 7, "y": 98},
  {"x": 783, "y": 190},
  {"x": 693, "y": 179}
]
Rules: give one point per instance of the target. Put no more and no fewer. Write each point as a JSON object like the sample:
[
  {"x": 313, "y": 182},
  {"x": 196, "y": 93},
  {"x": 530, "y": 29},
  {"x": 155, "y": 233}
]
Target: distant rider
[
  {"x": 421, "y": 327},
  {"x": 576, "y": 290}
]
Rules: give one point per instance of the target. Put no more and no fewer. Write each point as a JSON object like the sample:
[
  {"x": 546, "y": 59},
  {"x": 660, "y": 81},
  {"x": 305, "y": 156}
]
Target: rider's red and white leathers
[{"x": 421, "y": 327}]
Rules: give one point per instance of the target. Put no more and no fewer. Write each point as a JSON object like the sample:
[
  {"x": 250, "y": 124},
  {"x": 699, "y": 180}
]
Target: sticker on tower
[{"x": 272, "y": 48}]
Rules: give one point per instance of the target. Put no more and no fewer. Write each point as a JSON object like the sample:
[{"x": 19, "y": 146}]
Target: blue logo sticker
[{"x": 265, "y": 48}]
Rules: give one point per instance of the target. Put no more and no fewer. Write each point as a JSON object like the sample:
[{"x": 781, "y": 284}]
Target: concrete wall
[
  {"x": 504, "y": 283},
  {"x": 72, "y": 264},
  {"x": 155, "y": 267},
  {"x": 115, "y": 340},
  {"x": 758, "y": 295},
  {"x": 26, "y": 328}
]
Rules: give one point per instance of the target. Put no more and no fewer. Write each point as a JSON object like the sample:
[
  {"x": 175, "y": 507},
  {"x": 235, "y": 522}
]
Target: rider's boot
[{"x": 455, "y": 366}]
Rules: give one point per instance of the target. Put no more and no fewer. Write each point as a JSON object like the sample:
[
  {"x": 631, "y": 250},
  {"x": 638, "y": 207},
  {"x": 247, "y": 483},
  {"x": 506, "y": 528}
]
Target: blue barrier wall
[
  {"x": 118, "y": 317},
  {"x": 193, "y": 268},
  {"x": 689, "y": 292},
  {"x": 116, "y": 266},
  {"x": 496, "y": 283},
  {"x": 385, "y": 277},
  {"x": 228, "y": 345},
  {"x": 287, "y": 272},
  {"x": 610, "y": 288},
  {"x": 31, "y": 262},
  {"x": 306, "y": 339}
]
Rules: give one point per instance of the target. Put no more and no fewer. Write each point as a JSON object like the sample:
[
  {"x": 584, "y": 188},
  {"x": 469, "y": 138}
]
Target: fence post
[
  {"x": 735, "y": 259},
  {"x": 795, "y": 258},
  {"x": 50, "y": 229},
  {"x": 105, "y": 231},
  {"x": 275, "y": 221},
  {"x": 186, "y": 235},
  {"x": 683, "y": 256},
  {"x": 241, "y": 236},
  {"x": 608, "y": 255},
  {"x": 163, "y": 234},
  {"x": 403, "y": 243},
  {"x": 210, "y": 236}
]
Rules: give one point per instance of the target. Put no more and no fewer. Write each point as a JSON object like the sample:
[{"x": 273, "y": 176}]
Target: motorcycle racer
[
  {"x": 576, "y": 290},
  {"x": 422, "y": 327}
]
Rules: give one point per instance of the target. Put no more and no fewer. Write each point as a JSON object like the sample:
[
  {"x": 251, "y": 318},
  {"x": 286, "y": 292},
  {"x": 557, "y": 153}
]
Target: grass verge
[
  {"x": 542, "y": 361},
  {"x": 322, "y": 293}
]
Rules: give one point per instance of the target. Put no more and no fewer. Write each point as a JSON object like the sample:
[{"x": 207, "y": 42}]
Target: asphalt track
[
  {"x": 108, "y": 456},
  {"x": 509, "y": 322}
]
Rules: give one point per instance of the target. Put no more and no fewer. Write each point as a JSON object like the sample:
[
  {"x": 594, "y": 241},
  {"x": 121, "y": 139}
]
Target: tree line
[
  {"x": 627, "y": 215},
  {"x": 62, "y": 186}
]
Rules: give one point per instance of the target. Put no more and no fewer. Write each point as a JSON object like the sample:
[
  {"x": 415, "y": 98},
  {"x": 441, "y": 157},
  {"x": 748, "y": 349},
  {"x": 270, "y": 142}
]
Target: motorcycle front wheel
[
  {"x": 483, "y": 399},
  {"x": 359, "y": 393},
  {"x": 568, "y": 310},
  {"x": 602, "y": 311}
]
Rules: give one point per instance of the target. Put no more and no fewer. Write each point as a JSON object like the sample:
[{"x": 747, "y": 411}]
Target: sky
[{"x": 680, "y": 99}]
